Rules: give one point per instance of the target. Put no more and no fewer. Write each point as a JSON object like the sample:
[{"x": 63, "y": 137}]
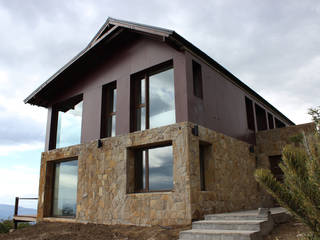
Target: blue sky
[{"x": 272, "y": 46}]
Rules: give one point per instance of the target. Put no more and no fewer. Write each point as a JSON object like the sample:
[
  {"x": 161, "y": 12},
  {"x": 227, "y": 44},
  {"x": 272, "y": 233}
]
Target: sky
[{"x": 272, "y": 46}]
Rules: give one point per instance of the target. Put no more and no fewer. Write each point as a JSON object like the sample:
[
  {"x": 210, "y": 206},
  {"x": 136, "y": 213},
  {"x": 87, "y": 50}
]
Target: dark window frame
[
  {"x": 138, "y": 167},
  {"x": 261, "y": 117},
  {"x": 250, "y": 114},
  {"x": 63, "y": 106},
  {"x": 135, "y": 91},
  {"x": 54, "y": 164},
  {"x": 270, "y": 121},
  {"x": 107, "y": 109},
  {"x": 197, "y": 79},
  {"x": 279, "y": 123}
]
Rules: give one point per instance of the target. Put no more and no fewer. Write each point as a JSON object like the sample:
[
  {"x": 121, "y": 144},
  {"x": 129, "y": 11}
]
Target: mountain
[{"x": 6, "y": 211}]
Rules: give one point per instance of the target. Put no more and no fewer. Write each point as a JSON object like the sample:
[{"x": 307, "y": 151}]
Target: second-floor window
[
  {"x": 108, "y": 116},
  {"x": 152, "y": 97}
]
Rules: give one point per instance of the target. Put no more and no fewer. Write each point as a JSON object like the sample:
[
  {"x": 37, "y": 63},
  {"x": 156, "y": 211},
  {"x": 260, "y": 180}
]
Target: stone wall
[
  {"x": 105, "y": 194},
  {"x": 230, "y": 184}
]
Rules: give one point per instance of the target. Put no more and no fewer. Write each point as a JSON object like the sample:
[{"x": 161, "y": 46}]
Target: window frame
[
  {"x": 197, "y": 79},
  {"x": 138, "y": 168},
  {"x": 62, "y": 106},
  {"x": 135, "y": 91},
  {"x": 107, "y": 104},
  {"x": 54, "y": 164}
]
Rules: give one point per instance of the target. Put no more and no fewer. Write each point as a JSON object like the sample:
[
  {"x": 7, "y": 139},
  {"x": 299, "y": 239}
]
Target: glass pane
[
  {"x": 65, "y": 189},
  {"x": 162, "y": 104},
  {"x": 144, "y": 169},
  {"x": 143, "y": 91},
  {"x": 114, "y": 100},
  {"x": 113, "y": 131},
  {"x": 141, "y": 119},
  {"x": 69, "y": 127},
  {"x": 160, "y": 168}
]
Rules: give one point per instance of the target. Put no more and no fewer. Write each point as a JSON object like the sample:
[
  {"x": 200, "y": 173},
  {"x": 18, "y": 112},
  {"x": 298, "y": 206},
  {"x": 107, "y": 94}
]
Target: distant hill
[{"x": 6, "y": 211}]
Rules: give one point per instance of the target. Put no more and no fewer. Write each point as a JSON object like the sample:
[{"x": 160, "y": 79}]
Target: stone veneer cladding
[{"x": 104, "y": 178}]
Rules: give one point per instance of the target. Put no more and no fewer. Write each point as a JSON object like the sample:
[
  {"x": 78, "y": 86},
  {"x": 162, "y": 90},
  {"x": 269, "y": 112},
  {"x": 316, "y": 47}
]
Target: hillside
[{"x": 6, "y": 211}]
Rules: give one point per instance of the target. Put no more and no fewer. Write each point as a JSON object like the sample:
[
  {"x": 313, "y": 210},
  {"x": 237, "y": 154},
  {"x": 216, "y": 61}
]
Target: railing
[{"x": 22, "y": 218}]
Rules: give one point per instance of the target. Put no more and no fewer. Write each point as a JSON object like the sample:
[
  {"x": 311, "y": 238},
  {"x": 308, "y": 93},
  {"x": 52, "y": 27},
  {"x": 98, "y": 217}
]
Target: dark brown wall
[
  {"x": 134, "y": 56},
  {"x": 223, "y": 105}
]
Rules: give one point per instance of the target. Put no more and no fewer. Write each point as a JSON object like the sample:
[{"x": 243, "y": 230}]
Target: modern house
[{"x": 144, "y": 128}]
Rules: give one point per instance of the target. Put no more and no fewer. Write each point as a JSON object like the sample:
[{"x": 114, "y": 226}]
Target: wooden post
[{"x": 16, "y": 206}]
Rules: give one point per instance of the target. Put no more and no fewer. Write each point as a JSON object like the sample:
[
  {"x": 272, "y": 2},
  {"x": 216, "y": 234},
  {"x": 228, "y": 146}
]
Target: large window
[
  {"x": 153, "y": 169},
  {"x": 67, "y": 118},
  {"x": 65, "y": 189},
  {"x": 152, "y": 98},
  {"x": 108, "y": 112},
  {"x": 261, "y": 118}
]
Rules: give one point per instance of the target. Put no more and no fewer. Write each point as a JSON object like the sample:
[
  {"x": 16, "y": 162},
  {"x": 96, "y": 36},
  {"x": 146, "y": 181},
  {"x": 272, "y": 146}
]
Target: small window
[
  {"x": 279, "y": 124},
  {"x": 275, "y": 168},
  {"x": 197, "y": 79},
  {"x": 108, "y": 111},
  {"x": 65, "y": 188},
  {"x": 250, "y": 115},
  {"x": 153, "y": 98},
  {"x": 153, "y": 169},
  {"x": 270, "y": 121},
  {"x": 66, "y": 123},
  {"x": 261, "y": 118}
]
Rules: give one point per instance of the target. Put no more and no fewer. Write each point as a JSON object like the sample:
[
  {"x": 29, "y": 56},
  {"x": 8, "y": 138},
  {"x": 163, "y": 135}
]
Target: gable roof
[{"x": 114, "y": 27}]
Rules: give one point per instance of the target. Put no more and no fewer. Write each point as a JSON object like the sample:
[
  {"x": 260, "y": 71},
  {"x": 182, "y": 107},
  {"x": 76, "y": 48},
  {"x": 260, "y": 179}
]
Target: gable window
[
  {"x": 261, "y": 118},
  {"x": 279, "y": 124},
  {"x": 270, "y": 121},
  {"x": 153, "y": 169},
  {"x": 108, "y": 111},
  {"x": 250, "y": 114},
  {"x": 152, "y": 97},
  {"x": 197, "y": 79},
  {"x": 65, "y": 188},
  {"x": 66, "y": 123}
]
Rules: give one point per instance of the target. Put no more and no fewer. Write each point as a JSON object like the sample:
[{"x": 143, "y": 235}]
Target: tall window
[
  {"x": 66, "y": 123},
  {"x": 250, "y": 114},
  {"x": 152, "y": 98},
  {"x": 197, "y": 79},
  {"x": 270, "y": 121},
  {"x": 108, "y": 111},
  {"x": 153, "y": 169},
  {"x": 261, "y": 118},
  {"x": 65, "y": 189}
]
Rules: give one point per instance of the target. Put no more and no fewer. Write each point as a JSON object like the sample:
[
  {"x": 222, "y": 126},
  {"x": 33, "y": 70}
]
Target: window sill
[{"x": 169, "y": 192}]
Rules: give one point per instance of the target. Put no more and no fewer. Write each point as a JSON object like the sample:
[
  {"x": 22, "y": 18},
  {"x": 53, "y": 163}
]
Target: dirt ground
[{"x": 68, "y": 231}]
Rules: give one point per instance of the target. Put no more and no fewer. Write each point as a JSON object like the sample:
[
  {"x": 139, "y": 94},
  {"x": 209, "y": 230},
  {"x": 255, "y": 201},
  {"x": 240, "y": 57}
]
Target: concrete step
[
  {"x": 234, "y": 216},
  {"x": 204, "y": 234},
  {"x": 250, "y": 225}
]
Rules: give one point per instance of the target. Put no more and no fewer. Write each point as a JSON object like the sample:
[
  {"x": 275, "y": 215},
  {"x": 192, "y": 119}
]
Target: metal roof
[{"x": 170, "y": 36}]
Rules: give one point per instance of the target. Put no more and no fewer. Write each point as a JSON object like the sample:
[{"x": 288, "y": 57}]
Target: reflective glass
[
  {"x": 141, "y": 118},
  {"x": 65, "y": 189},
  {"x": 143, "y": 91},
  {"x": 162, "y": 104},
  {"x": 114, "y": 104},
  {"x": 160, "y": 168},
  {"x": 69, "y": 126},
  {"x": 113, "y": 129}
]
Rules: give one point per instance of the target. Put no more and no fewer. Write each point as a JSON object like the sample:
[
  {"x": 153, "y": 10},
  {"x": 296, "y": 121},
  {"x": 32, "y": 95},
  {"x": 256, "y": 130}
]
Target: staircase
[{"x": 248, "y": 225}]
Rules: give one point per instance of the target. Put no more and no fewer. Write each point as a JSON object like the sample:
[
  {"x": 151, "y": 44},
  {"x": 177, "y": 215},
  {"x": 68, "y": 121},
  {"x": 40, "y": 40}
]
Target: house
[{"x": 144, "y": 128}]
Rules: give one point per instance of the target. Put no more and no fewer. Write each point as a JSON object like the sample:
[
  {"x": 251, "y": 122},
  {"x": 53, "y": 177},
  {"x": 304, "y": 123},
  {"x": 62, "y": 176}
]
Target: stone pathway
[{"x": 244, "y": 225}]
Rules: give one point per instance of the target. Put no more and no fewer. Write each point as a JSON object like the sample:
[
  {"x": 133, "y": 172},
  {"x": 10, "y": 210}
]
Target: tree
[
  {"x": 315, "y": 114},
  {"x": 300, "y": 190}
]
